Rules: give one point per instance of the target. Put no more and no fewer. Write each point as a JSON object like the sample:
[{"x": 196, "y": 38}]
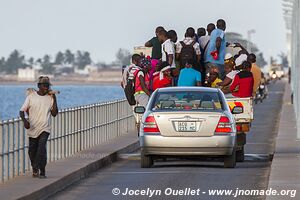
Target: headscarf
[
  {"x": 239, "y": 60},
  {"x": 161, "y": 73},
  {"x": 154, "y": 62},
  {"x": 145, "y": 62}
]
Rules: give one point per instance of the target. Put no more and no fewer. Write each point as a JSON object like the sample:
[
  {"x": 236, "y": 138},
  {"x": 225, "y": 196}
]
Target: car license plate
[{"x": 186, "y": 126}]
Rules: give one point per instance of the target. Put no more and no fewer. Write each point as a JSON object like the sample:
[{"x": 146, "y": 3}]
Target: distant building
[
  {"x": 87, "y": 70},
  {"x": 27, "y": 74}
]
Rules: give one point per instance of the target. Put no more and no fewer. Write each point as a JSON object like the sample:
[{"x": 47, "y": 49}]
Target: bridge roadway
[{"x": 178, "y": 174}]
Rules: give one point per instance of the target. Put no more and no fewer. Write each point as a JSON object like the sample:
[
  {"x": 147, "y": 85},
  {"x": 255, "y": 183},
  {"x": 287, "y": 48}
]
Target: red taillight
[
  {"x": 150, "y": 125},
  {"x": 238, "y": 128},
  {"x": 224, "y": 125}
]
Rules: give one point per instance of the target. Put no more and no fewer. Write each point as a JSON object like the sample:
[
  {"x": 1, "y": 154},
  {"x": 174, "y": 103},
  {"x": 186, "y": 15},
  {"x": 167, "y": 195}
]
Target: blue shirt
[
  {"x": 212, "y": 47},
  {"x": 189, "y": 77}
]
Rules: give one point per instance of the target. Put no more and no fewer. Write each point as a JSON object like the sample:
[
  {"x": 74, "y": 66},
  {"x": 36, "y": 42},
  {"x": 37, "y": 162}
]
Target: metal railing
[{"x": 73, "y": 130}]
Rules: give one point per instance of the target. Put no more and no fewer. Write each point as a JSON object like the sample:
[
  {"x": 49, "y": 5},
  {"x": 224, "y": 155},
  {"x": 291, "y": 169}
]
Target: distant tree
[
  {"x": 39, "y": 60},
  {"x": 123, "y": 57},
  {"x": 47, "y": 66},
  {"x": 2, "y": 64},
  {"x": 284, "y": 59},
  {"x": 59, "y": 58},
  {"x": 260, "y": 60},
  {"x": 69, "y": 57},
  {"x": 31, "y": 61},
  {"x": 82, "y": 59},
  {"x": 273, "y": 60},
  {"x": 14, "y": 62}
]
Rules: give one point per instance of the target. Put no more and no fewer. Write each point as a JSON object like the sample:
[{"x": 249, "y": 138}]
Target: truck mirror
[{"x": 237, "y": 110}]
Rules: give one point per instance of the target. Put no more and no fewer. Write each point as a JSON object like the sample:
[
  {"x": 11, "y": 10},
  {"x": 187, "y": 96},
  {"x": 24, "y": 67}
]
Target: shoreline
[{"x": 104, "y": 83}]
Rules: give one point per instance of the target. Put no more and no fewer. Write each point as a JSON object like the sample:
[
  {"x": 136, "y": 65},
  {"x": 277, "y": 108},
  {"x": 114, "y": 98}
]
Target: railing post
[
  {"x": 17, "y": 146},
  {"x": 1, "y": 153},
  {"x": 11, "y": 148},
  {"x": 22, "y": 148}
]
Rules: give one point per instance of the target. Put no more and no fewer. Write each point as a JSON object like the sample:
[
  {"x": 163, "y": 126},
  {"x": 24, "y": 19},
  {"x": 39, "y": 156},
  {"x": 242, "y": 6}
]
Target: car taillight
[
  {"x": 224, "y": 125},
  {"x": 150, "y": 125}
]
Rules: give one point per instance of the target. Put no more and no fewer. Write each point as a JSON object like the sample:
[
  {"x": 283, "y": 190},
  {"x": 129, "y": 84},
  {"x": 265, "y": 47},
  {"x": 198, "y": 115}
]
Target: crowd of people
[{"x": 202, "y": 58}]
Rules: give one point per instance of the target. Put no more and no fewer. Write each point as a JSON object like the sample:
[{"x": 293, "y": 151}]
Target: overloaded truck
[{"x": 243, "y": 120}]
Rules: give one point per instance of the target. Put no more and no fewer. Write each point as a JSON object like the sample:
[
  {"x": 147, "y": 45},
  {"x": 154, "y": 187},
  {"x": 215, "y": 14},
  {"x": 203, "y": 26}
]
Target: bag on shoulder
[
  {"x": 129, "y": 89},
  {"x": 187, "y": 53}
]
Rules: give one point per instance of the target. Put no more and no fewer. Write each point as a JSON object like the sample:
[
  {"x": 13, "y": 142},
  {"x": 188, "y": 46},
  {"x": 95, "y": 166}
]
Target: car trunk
[{"x": 187, "y": 124}]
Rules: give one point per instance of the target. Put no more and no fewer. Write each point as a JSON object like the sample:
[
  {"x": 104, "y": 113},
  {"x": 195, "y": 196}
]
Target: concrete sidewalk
[
  {"x": 285, "y": 169},
  {"x": 65, "y": 172}
]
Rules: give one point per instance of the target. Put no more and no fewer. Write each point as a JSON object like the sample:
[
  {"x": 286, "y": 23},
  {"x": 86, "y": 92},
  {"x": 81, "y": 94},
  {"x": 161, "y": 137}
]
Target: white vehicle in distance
[{"x": 187, "y": 121}]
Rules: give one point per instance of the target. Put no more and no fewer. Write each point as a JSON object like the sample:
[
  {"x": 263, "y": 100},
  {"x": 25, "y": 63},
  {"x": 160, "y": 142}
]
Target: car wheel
[
  {"x": 240, "y": 156},
  {"x": 146, "y": 161},
  {"x": 230, "y": 161}
]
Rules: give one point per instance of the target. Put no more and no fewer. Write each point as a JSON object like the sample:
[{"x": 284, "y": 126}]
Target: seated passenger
[
  {"x": 242, "y": 85},
  {"x": 231, "y": 68},
  {"x": 162, "y": 77},
  {"x": 189, "y": 76},
  {"x": 213, "y": 79}
]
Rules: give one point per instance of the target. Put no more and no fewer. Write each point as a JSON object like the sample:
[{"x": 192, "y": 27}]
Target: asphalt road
[{"x": 171, "y": 176}]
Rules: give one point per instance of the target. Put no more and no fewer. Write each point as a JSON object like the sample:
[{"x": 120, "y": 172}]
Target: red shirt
[
  {"x": 157, "y": 83},
  {"x": 244, "y": 80}
]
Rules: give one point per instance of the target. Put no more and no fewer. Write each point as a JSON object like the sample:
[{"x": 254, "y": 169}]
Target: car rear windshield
[{"x": 183, "y": 101}]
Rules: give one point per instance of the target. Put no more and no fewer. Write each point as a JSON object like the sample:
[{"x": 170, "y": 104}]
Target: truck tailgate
[{"x": 246, "y": 103}]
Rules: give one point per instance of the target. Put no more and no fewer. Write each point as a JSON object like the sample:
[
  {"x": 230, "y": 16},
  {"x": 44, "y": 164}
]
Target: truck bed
[{"x": 246, "y": 103}]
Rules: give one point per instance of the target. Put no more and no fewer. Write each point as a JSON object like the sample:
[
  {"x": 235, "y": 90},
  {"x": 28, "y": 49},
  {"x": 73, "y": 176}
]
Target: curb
[{"x": 78, "y": 175}]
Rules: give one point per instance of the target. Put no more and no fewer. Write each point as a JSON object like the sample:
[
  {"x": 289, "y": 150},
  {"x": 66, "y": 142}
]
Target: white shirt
[
  {"x": 39, "y": 108},
  {"x": 204, "y": 40},
  {"x": 168, "y": 48}
]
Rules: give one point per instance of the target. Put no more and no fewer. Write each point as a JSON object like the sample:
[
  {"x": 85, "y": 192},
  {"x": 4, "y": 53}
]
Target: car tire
[
  {"x": 146, "y": 161},
  {"x": 230, "y": 161},
  {"x": 240, "y": 155}
]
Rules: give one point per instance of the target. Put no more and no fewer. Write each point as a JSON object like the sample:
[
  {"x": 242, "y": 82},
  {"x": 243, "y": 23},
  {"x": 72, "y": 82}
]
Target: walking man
[{"x": 38, "y": 106}]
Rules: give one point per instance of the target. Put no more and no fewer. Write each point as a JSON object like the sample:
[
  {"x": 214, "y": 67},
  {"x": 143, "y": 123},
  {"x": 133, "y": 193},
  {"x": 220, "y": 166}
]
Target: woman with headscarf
[{"x": 162, "y": 77}]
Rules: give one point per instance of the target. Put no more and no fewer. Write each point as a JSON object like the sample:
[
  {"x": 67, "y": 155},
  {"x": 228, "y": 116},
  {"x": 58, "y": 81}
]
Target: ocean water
[{"x": 12, "y": 97}]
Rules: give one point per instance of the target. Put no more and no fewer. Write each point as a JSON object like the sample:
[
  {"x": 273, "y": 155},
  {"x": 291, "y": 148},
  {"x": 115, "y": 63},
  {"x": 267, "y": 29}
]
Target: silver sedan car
[{"x": 187, "y": 121}]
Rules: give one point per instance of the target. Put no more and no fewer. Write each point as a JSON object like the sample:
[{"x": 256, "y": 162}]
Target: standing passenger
[
  {"x": 155, "y": 44},
  {"x": 255, "y": 71},
  {"x": 167, "y": 48},
  {"x": 217, "y": 48},
  {"x": 189, "y": 50},
  {"x": 200, "y": 33},
  {"x": 204, "y": 41}
]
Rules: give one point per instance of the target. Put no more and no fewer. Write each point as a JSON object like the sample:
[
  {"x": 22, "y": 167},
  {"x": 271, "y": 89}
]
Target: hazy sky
[{"x": 37, "y": 27}]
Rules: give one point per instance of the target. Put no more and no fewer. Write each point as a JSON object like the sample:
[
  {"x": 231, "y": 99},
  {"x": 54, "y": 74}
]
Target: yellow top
[{"x": 214, "y": 84}]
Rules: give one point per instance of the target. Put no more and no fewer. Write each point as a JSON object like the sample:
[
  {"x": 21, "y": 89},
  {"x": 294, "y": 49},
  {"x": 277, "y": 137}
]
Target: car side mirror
[
  {"x": 139, "y": 109},
  {"x": 237, "y": 110}
]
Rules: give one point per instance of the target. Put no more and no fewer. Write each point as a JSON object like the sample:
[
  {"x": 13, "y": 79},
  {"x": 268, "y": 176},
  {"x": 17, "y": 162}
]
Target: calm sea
[{"x": 12, "y": 96}]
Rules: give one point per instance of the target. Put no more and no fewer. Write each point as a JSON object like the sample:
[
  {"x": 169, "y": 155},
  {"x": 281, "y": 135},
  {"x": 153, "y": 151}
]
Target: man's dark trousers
[{"x": 38, "y": 153}]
